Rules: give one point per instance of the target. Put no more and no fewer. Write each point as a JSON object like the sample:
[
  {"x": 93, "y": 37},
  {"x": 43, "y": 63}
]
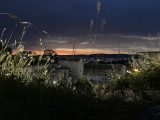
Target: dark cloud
[{"x": 103, "y": 42}]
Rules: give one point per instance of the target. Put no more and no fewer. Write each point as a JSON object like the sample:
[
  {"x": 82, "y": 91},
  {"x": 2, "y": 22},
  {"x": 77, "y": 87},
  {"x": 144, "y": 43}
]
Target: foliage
[
  {"x": 24, "y": 66},
  {"x": 139, "y": 79},
  {"x": 19, "y": 100},
  {"x": 145, "y": 79},
  {"x": 83, "y": 86}
]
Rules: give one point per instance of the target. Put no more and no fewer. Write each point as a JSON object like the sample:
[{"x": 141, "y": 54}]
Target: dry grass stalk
[
  {"x": 103, "y": 22},
  {"x": 91, "y": 25},
  {"x": 98, "y": 7}
]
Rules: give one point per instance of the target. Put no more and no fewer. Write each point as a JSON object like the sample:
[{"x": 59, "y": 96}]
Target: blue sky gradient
[{"x": 71, "y": 19}]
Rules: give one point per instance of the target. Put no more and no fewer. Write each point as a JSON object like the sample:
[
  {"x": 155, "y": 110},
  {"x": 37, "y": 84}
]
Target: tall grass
[{"x": 23, "y": 65}]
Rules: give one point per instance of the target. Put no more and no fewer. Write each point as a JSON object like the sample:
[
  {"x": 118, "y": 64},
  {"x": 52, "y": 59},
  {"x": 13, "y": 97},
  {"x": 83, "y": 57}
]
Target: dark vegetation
[{"x": 27, "y": 101}]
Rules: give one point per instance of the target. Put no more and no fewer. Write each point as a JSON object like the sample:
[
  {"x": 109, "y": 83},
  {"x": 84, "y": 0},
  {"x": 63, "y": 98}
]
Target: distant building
[
  {"x": 61, "y": 74},
  {"x": 103, "y": 73},
  {"x": 75, "y": 65}
]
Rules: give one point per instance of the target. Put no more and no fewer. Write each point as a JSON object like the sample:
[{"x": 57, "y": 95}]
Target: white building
[
  {"x": 75, "y": 65},
  {"x": 61, "y": 74},
  {"x": 103, "y": 73}
]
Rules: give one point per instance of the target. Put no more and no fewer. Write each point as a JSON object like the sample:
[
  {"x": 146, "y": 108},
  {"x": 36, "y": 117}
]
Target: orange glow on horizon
[{"x": 67, "y": 51}]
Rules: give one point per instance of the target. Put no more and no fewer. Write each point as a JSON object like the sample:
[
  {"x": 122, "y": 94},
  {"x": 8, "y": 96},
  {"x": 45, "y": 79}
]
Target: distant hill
[{"x": 99, "y": 56}]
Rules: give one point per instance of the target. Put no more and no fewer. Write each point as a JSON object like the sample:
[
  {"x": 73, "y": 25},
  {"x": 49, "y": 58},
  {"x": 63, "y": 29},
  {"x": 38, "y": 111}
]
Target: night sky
[{"x": 128, "y": 23}]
